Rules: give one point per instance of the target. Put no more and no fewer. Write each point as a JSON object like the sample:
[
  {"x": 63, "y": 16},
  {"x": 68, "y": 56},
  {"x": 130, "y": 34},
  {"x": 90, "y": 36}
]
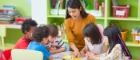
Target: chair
[
  {"x": 24, "y": 54},
  {"x": 5, "y": 55},
  {"x": 2, "y": 35}
]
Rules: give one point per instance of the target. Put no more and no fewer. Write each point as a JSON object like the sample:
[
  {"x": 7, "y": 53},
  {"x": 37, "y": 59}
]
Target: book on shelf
[
  {"x": 58, "y": 4},
  {"x": 96, "y": 5},
  {"x": 58, "y": 7},
  {"x": 53, "y": 3}
]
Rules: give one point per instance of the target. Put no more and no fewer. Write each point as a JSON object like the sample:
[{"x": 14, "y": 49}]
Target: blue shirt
[{"x": 39, "y": 47}]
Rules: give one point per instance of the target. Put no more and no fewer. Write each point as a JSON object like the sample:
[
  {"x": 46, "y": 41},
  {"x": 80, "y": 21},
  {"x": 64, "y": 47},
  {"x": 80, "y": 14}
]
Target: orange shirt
[{"x": 74, "y": 30}]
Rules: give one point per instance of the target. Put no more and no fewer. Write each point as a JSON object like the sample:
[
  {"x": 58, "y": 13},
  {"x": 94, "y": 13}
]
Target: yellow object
[
  {"x": 67, "y": 57},
  {"x": 74, "y": 58},
  {"x": 124, "y": 35},
  {"x": 70, "y": 57}
]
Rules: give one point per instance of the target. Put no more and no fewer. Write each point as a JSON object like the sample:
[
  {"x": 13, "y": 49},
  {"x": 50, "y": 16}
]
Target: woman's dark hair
[
  {"x": 27, "y": 24},
  {"x": 40, "y": 33},
  {"x": 76, "y": 4},
  {"x": 114, "y": 36},
  {"x": 92, "y": 31},
  {"x": 53, "y": 30}
]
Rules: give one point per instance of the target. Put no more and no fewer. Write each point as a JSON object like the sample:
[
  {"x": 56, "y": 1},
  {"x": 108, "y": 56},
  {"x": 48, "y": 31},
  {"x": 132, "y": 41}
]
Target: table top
[{"x": 66, "y": 56}]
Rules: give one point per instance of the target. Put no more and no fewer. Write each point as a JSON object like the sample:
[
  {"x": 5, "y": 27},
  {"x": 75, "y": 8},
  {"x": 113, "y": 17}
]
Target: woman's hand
[
  {"x": 83, "y": 52},
  {"x": 76, "y": 53}
]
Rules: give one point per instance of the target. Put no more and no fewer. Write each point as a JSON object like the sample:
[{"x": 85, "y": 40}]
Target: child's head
[
  {"x": 92, "y": 34},
  {"x": 114, "y": 37},
  {"x": 53, "y": 32},
  {"x": 75, "y": 9},
  {"x": 28, "y": 27},
  {"x": 113, "y": 33},
  {"x": 41, "y": 34}
]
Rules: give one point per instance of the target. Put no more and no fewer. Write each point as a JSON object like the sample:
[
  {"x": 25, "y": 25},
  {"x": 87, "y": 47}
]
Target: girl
[
  {"x": 94, "y": 40},
  {"x": 117, "y": 48}
]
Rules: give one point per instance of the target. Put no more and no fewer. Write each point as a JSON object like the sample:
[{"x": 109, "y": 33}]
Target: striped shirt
[{"x": 57, "y": 44}]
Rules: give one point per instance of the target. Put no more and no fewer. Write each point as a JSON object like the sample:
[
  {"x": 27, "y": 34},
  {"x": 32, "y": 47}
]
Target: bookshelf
[{"x": 129, "y": 23}]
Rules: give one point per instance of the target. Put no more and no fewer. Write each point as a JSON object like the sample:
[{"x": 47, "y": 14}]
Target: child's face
[
  {"x": 51, "y": 39},
  {"x": 29, "y": 33},
  {"x": 74, "y": 13},
  {"x": 45, "y": 41}
]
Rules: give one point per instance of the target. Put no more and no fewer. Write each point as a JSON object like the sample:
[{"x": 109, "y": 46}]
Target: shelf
[
  {"x": 132, "y": 44},
  {"x": 99, "y": 17},
  {"x": 56, "y": 16},
  {"x": 63, "y": 16},
  {"x": 124, "y": 19}
]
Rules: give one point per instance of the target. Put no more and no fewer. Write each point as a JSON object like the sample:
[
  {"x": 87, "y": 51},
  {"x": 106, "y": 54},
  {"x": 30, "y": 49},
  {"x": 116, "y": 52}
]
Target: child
[
  {"x": 94, "y": 41},
  {"x": 40, "y": 36},
  {"x": 56, "y": 45},
  {"x": 27, "y": 28},
  {"x": 117, "y": 48}
]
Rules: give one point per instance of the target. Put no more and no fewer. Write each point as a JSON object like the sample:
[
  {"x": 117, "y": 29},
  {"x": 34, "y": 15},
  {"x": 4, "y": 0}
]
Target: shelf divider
[{"x": 139, "y": 9}]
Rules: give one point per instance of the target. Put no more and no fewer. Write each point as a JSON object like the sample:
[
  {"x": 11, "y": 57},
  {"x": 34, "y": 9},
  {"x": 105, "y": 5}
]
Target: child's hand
[
  {"x": 51, "y": 48},
  {"x": 92, "y": 56}
]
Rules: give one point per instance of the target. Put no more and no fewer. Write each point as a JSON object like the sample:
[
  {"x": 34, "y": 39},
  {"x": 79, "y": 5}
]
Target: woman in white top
[
  {"x": 94, "y": 39},
  {"x": 117, "y": 48}
]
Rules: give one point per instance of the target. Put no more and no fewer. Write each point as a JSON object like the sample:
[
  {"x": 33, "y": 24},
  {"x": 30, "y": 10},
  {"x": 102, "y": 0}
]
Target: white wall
[{"x": 39, "y": 11}]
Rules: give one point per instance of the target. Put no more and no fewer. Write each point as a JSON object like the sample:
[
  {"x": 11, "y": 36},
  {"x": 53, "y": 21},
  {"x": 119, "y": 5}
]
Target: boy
[
  {"x": 40, "y": 36},
  {"x": 56, "y": 45},
  {"x": 27, "y": 28}
]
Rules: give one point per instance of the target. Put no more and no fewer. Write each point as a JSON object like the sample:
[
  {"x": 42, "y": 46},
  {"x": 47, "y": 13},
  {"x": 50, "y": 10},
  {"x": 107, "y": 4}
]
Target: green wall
[
  {"x": 12, "y": 36},
  {"x": 22, "y": 6}
]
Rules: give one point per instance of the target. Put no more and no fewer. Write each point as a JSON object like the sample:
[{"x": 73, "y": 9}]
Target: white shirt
[{"x": 95, "y": 48}]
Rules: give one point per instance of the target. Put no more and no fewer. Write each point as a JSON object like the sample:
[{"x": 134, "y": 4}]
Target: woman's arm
[
  {"x": 76, "y": 50},
  {"x": 70, "y": 37}
]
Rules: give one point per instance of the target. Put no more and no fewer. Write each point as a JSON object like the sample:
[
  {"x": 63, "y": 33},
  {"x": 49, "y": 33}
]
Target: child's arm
[
  {"x": 62, "y": 49},
  {"x": 85, "y": 49},
  {"x": 105, "y": 44}
]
